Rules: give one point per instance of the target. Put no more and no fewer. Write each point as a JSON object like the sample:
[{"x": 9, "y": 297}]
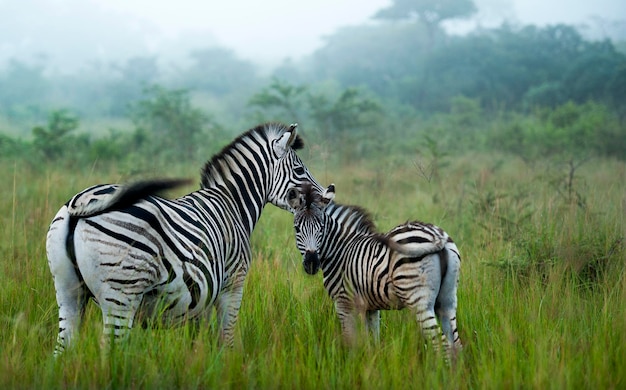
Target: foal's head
[{"x": 309, "y": 222}]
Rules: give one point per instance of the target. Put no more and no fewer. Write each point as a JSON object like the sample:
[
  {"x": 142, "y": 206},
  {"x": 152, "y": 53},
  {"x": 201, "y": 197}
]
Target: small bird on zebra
[
  {"x": 415, "y": 265},
  {"x": 139, "y": 255}
]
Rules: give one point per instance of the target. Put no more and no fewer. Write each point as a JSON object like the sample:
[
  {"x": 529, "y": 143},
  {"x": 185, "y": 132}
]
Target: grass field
[{"x": 542, "y": 296}]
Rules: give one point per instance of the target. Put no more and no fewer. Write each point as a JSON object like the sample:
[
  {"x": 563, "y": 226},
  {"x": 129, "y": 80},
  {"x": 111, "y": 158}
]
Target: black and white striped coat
[
  {"x": 142, "y": 256},
  {"x": 415, "y": 265}
]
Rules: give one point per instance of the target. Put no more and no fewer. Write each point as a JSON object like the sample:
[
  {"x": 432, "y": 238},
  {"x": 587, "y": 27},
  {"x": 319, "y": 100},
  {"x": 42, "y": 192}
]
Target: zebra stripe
[
  {"x": 143, "y": 257},
  {"x": 415, "y": 265}
]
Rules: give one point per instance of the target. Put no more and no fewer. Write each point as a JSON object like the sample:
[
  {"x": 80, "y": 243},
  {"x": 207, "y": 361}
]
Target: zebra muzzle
[{"x": 311, "y": 262}]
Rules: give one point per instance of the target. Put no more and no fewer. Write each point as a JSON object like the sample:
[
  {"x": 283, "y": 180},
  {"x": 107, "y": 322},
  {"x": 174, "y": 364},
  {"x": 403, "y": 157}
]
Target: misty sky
[{"x": 71, "y": 31}]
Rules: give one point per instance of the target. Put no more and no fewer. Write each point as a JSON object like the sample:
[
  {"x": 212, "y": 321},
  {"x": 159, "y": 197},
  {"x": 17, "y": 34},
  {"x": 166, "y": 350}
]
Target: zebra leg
[
  {"x": 227, "y": 305},
  {"x": 372, "y": 318},
  {"x": 447, "y": 301},
  {"x": 72, "y": 298},
  {"x": 71, "y": 292},
  {"x": 118, "y": 314},
  {"x": 422, "y": 297},
  {"x": 430, "y": 328},
  {"x": 346, "y": 313}
]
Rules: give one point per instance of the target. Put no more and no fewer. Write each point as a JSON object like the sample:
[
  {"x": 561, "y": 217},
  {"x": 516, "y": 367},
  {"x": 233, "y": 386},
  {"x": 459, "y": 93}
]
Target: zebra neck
[
  {"x": 237, "y": 177},
  {"x": 334, "y": 243},
  {"x": 231, "y": 205},
  {"x": 340, "y": 244},
  {"x": 244, "y": 199}
]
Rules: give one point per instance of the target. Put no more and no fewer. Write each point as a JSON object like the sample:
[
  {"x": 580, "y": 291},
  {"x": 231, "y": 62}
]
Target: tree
[
  {"x": 433, "y": 13},
  {"x": 352, "y": 120},
  {"x": 524, "y": 68},
  {"x": 280, "y": 98},
  {"x": 385, "y": 58},
  {"x": 593, "y": 75},
  {"x": 54, "y": 140},
  {"x": 168, "y": 123},
  {"x": 429, "y": 12},
  {"x": 350, "y": 111}
]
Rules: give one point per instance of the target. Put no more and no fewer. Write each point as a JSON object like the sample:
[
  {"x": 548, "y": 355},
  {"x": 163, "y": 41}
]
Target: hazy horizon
[{"x": 70, "y": 33}]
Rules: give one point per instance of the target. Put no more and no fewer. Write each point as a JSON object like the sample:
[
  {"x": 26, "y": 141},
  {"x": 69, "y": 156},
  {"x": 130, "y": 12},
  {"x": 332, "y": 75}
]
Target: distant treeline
[
  {"x": 530, "y": 91},
  {"x": 166, "y": 127}
]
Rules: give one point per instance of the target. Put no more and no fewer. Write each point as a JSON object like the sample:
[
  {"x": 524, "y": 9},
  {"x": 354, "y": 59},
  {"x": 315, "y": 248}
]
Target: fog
[{"x": 66, "y": 34}]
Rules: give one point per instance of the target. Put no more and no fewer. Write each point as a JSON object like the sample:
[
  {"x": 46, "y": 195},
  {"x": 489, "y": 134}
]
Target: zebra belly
[
  {"x": 173, "y": 303},
  {"x": 373, "y": 296},
  {"x": 379, "y": 292},
  {"x": 143, "y": 276}
]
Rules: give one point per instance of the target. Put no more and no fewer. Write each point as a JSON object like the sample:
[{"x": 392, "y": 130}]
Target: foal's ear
[
  {"x": 328, "y": 195},
  {"x": 293, "y": 198}
]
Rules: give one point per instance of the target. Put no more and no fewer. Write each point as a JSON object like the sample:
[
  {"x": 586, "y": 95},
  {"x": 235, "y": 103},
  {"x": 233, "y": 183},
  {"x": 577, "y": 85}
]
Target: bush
[
  {"x": 55, "y": 139},
  {"x": 568, "y": 132}
]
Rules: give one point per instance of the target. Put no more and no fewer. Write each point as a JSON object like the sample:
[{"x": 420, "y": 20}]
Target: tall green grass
[{"x": 541, "y": 298}]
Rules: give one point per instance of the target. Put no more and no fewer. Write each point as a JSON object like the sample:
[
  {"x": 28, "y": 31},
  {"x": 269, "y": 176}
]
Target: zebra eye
[
  {"x": 297, "y": 229},
  {"x": 299, "y": 170}
]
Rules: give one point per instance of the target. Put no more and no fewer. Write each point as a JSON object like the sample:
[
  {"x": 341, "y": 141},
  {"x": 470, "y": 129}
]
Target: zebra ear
[
  {"x": 293, "y": 198},
  {"x": 293, "y": 129},
  {"x": 286, "y": 140},
  {"x": 329, "y": 195}
]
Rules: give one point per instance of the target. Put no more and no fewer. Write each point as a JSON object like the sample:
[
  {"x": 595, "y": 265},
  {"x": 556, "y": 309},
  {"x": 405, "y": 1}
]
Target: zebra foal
[
  {"x": 140, "y": 255},
  {"x": 415, "y": 265}
]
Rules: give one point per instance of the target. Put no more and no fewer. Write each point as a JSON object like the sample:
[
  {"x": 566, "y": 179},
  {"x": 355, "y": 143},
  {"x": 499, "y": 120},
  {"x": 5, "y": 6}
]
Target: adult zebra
[
  {"x": 135, "y": 252},
  {"x": 415, "y": 265}
]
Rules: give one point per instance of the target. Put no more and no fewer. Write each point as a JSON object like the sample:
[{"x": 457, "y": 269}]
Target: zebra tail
[
  {"x": 418, "y": 249},
  {"x": 102, "y": 198},
  {"x": 136, "y": 191}
]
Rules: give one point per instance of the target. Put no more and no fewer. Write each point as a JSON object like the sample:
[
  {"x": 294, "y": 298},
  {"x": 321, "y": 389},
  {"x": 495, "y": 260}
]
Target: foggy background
[
  {"x": 113, "y": 80},
  {"x": 64, "y": 35}
]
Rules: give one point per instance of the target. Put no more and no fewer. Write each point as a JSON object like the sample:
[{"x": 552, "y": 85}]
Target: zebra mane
[
  {"x": 353, "y": 218},
  {"x": 268, "y": 131},
  {"x": 311, "y": 197}
]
